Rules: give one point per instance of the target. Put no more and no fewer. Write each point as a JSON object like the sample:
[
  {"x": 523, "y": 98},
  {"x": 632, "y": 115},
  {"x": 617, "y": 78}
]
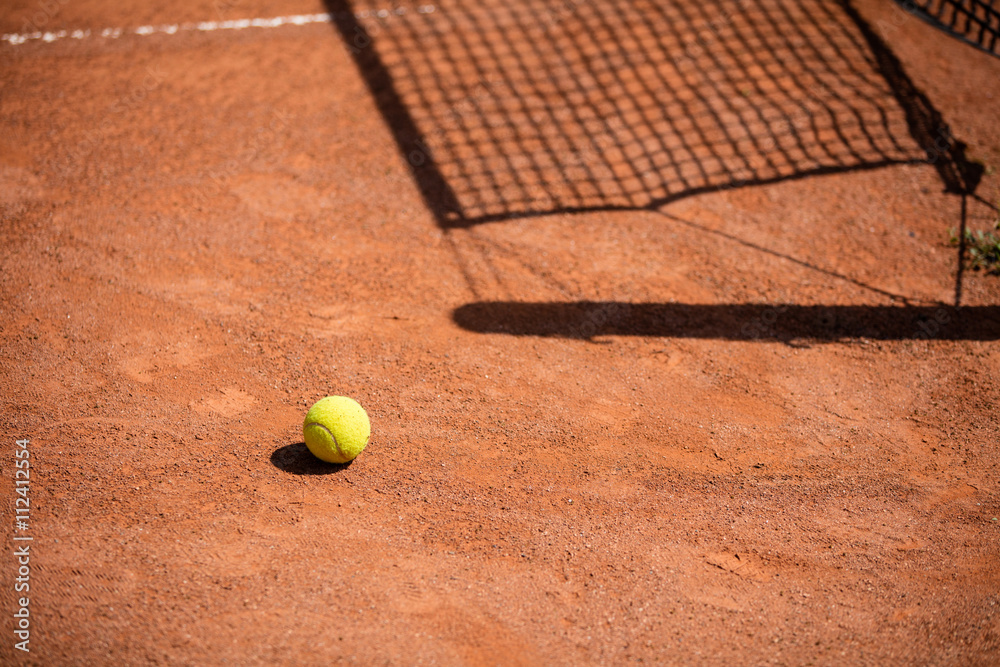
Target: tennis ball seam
[{"x": 336, "y": 444}]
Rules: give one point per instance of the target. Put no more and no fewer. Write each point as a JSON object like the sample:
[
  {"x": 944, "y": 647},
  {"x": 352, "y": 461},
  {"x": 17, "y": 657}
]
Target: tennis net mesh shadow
[
  {"x": 974, "y": 21},
  {"x": 539, "y": 106}
]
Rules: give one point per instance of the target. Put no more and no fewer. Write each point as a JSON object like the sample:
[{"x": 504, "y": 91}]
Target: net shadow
[
  {"x": 543, "y": 106},
  {"x": 976, "y": 22}
]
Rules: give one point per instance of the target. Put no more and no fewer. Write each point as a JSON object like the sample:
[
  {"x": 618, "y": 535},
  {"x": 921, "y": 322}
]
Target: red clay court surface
[{"x": 651, "y": 306}]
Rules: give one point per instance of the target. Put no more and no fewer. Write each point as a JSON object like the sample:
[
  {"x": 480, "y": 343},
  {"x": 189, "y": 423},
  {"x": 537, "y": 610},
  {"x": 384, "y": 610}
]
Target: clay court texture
[{"x": 667, "y": 353}]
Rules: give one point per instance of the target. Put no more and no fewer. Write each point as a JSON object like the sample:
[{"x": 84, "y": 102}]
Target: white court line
[{"x": 202, "y": 26}]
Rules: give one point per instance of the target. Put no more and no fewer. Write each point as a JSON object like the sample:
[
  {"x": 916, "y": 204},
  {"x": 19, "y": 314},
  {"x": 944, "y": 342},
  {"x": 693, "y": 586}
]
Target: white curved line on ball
[{"x": 332, "y": 437}]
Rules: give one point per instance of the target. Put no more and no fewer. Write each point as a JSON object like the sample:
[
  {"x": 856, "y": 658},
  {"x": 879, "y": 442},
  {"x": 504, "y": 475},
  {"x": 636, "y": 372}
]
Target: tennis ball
[{"x": 336, "y": 429}]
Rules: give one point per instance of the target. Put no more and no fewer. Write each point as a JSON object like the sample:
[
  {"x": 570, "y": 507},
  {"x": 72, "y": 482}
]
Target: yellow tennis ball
[{"x": 336, "y": 429}]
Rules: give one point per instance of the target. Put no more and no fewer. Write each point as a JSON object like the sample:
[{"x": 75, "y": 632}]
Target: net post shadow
[{"x": 959, "y": 175}]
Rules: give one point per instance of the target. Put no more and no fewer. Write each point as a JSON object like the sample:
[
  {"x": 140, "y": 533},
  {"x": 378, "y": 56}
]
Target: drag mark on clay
[{"x": 17, "y": 39}]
